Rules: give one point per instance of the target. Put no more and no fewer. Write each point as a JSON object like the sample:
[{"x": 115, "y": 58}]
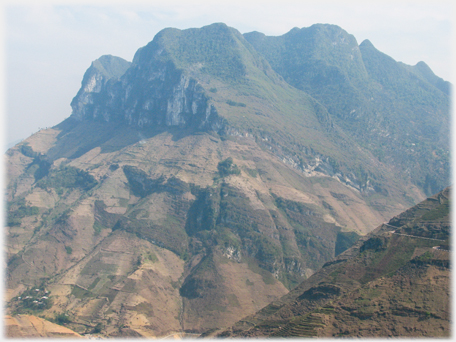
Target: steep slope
[
  {"x": 105, "y": 69},
  {"x": 393, "y": 282},
  {"x": 399, "y": 113},
  {"x": 187, "y": 189},
  {"x": 153, "y": 214}
]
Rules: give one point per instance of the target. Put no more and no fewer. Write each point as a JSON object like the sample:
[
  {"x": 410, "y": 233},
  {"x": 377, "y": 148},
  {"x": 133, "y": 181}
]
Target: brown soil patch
[{"x": 26, "y": 326}]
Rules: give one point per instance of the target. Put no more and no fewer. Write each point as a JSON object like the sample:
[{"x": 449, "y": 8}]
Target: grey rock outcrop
[{"x": 149, "y": 92}]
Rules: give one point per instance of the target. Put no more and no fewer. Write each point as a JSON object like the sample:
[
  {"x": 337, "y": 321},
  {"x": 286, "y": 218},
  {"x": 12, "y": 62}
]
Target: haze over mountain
[{"x": 214, "y": 173}]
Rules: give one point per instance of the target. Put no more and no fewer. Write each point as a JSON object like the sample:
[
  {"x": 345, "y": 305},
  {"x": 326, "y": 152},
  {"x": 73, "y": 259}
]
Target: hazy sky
[{"x": 48, "y": 47}]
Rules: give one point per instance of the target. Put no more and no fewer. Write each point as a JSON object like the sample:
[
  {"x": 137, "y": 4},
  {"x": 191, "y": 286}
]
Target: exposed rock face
[
  {"x": 106, "y": 68},
  {"x": 150, "y": 93}
]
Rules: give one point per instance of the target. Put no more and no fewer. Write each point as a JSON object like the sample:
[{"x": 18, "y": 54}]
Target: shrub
[
  {"x": 68, "y": 177},
  {"x": 236, "y": 104},
  {"x": 227, "y": 167},
  {"x": 62, "y": 318}
]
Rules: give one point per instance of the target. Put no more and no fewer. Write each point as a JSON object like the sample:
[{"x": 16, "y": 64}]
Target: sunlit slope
[{"x": 393, "y": 282}]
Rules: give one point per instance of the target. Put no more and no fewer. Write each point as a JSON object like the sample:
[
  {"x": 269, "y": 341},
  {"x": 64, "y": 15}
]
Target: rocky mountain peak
[
  {"x": 162, "y": 87},
  {"x": 102, "y": 70}
]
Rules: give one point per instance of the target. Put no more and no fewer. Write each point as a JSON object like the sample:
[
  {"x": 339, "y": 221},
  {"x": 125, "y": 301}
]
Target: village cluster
[{"x": 35, "y": 299}]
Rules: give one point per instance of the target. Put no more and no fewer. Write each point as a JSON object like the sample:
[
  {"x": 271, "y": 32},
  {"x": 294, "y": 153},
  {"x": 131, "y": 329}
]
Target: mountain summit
[{"x": 213, "y": 174}]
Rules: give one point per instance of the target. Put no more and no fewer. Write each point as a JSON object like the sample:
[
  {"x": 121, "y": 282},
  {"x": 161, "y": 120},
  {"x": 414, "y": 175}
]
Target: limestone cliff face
[
  {"x": 106, "y": 68},
  {"x": 151, "y": 92}
]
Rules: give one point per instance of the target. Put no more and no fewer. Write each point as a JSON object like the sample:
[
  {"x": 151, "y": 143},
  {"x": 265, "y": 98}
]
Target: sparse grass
[
  {"x": 94, "y": 283},
  {"x": 18, "y": 210},
  {"x": 252, "y": 172},
  {"x": 96, "y": 267},
  {"x": 440, "y": 212},
  {"x": 123, "y": 202},
  {"x": 233, "y": 301},
  {"x": 97, "y": 227},
  {"x": 80, "y": 293},
  {"x": 387, "y": 261},
  {"x": 268, "y": 278},
  {"x": 150, "y": 256},
  {"x": 216, "y": 307}
]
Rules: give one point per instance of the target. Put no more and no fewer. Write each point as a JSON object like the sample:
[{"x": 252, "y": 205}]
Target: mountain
[
  {"x": 393, "y": 282},
  {"x": 196, "y": 184},
  {"x": 397, "y": 112}
]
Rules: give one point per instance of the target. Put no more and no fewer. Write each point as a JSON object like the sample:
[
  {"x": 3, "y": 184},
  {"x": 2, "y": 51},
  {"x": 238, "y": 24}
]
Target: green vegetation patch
[
  {"x": 19, "y": 210},
  {"x": 150, "y": 256},
  {"x": 203, "y": 213},
  {"x": 226, "y": 238},
  {"x": 142, "y": 185},
  {"x": 62, "y": 318},
  {"x": 202, "y": 280},
  {"x": 440, "y": 212},
  {"x": 233, "y": 301},
  {"x": 97, "y": 227},
  {"x": 268, "y": 278},
  {"x": 96, "y": 267},
  {"x": 80, "y": 293},
  {"x": 144, "y": 308},
  {"x": 94, "y": 283},
  {"x": 344, "y": 241},
  {"x": 216, "y": 307},
  {"x": 387, "y": 261},
  {"x": 251, "y": 172},
  {"x": 40, "y": 166},
  {"x": 27, "y": 151},
  {"x": 227, "y": 167},
  {"x": 236, "y": 104},
  {"x": 170, "y": 236},
  {"x": 68, "y": 177},
  {"x": 31, "y": 301}
]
